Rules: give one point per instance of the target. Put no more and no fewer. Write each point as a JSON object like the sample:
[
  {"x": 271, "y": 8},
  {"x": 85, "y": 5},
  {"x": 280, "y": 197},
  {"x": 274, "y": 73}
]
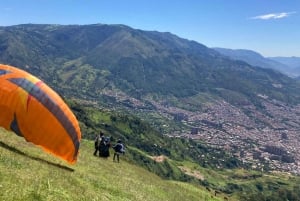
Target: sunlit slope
[{"x": 27, "y": 173}]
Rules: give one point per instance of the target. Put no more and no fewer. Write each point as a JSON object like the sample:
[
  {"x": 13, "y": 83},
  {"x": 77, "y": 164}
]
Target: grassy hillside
[
  {"x": 188, "y": 161},
  {"x": 27, "y": 173}
]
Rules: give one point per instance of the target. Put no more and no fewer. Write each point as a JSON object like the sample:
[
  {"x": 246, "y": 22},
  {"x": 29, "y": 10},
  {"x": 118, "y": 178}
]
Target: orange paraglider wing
[{"x": 34, "y": 111}]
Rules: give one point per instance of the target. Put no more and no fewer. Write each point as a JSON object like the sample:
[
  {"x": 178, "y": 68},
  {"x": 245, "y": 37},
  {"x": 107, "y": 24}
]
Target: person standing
[
  {"x": 104, "y": 147},
  {"x": 119, "y": 149},
  {"x": 98, "y": 141}
]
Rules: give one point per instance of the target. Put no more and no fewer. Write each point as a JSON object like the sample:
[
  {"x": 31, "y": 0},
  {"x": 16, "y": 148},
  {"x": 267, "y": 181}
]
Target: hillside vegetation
[
  {"x": 27, "y": 173},
  {"x": 188, "y": 160},
  {"x": 153, "y": 168},
  {"x": 84, "y": 60}
]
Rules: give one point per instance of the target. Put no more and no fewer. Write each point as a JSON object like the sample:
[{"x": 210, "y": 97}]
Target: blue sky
[{"x": 270, "y": 27}]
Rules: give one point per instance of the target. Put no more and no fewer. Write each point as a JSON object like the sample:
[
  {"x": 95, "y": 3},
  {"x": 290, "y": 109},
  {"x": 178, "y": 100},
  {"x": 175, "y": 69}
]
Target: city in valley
[{"x": 269, "y": 135}]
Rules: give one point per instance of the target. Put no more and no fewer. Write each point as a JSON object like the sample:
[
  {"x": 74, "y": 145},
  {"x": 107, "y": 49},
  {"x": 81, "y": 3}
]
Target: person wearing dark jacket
[
  {"x": 104, "y": 147},
  {"x": 119, "y": 149}
]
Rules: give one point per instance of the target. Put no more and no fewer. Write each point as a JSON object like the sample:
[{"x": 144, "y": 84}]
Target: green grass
[
  {"x": 28, "y": 173},
  {"x": 242, "y": 184}
]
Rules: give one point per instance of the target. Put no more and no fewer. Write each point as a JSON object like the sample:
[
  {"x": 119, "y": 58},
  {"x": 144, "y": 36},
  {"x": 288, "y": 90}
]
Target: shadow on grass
[{"x": 17, "y": 151}]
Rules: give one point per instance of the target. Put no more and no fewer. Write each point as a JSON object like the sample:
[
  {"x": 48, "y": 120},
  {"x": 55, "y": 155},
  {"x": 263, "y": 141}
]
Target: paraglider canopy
[{"x": 36, "y": 112}]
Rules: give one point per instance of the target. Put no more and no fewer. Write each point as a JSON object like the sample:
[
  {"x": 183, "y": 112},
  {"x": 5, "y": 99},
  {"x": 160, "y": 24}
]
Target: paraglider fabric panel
[{"x": 34, "y": 111}]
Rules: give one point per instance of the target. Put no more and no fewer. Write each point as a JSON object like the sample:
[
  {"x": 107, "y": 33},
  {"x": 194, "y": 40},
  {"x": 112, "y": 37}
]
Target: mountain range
[
  {"x": 182, "y": 87},
  {"x": 287, "y": 65},
  {"x": 292, "y": 62}
]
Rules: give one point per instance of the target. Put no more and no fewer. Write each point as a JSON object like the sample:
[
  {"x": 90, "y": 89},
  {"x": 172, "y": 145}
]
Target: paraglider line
[{"x": 17, "y": 151}]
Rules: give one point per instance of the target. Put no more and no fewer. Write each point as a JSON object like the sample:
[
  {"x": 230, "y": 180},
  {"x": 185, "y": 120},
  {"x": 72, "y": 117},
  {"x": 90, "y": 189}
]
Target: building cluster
[
  {"x": 270, "y": 135},
  {"x": 246, "y": 131}
]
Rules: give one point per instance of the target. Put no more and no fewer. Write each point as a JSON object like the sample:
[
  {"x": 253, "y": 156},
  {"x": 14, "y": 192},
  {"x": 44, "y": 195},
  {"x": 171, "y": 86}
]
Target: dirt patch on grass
[
  {"x": 159, "y": 159},
  {"x": 190, "y": 172}
]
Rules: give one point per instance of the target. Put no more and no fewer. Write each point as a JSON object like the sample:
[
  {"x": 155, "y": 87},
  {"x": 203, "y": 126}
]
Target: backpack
[{"x": 119, "y": 148}]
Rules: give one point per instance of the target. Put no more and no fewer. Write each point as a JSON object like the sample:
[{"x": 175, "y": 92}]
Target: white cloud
[{"x": 273, "y": 16}]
